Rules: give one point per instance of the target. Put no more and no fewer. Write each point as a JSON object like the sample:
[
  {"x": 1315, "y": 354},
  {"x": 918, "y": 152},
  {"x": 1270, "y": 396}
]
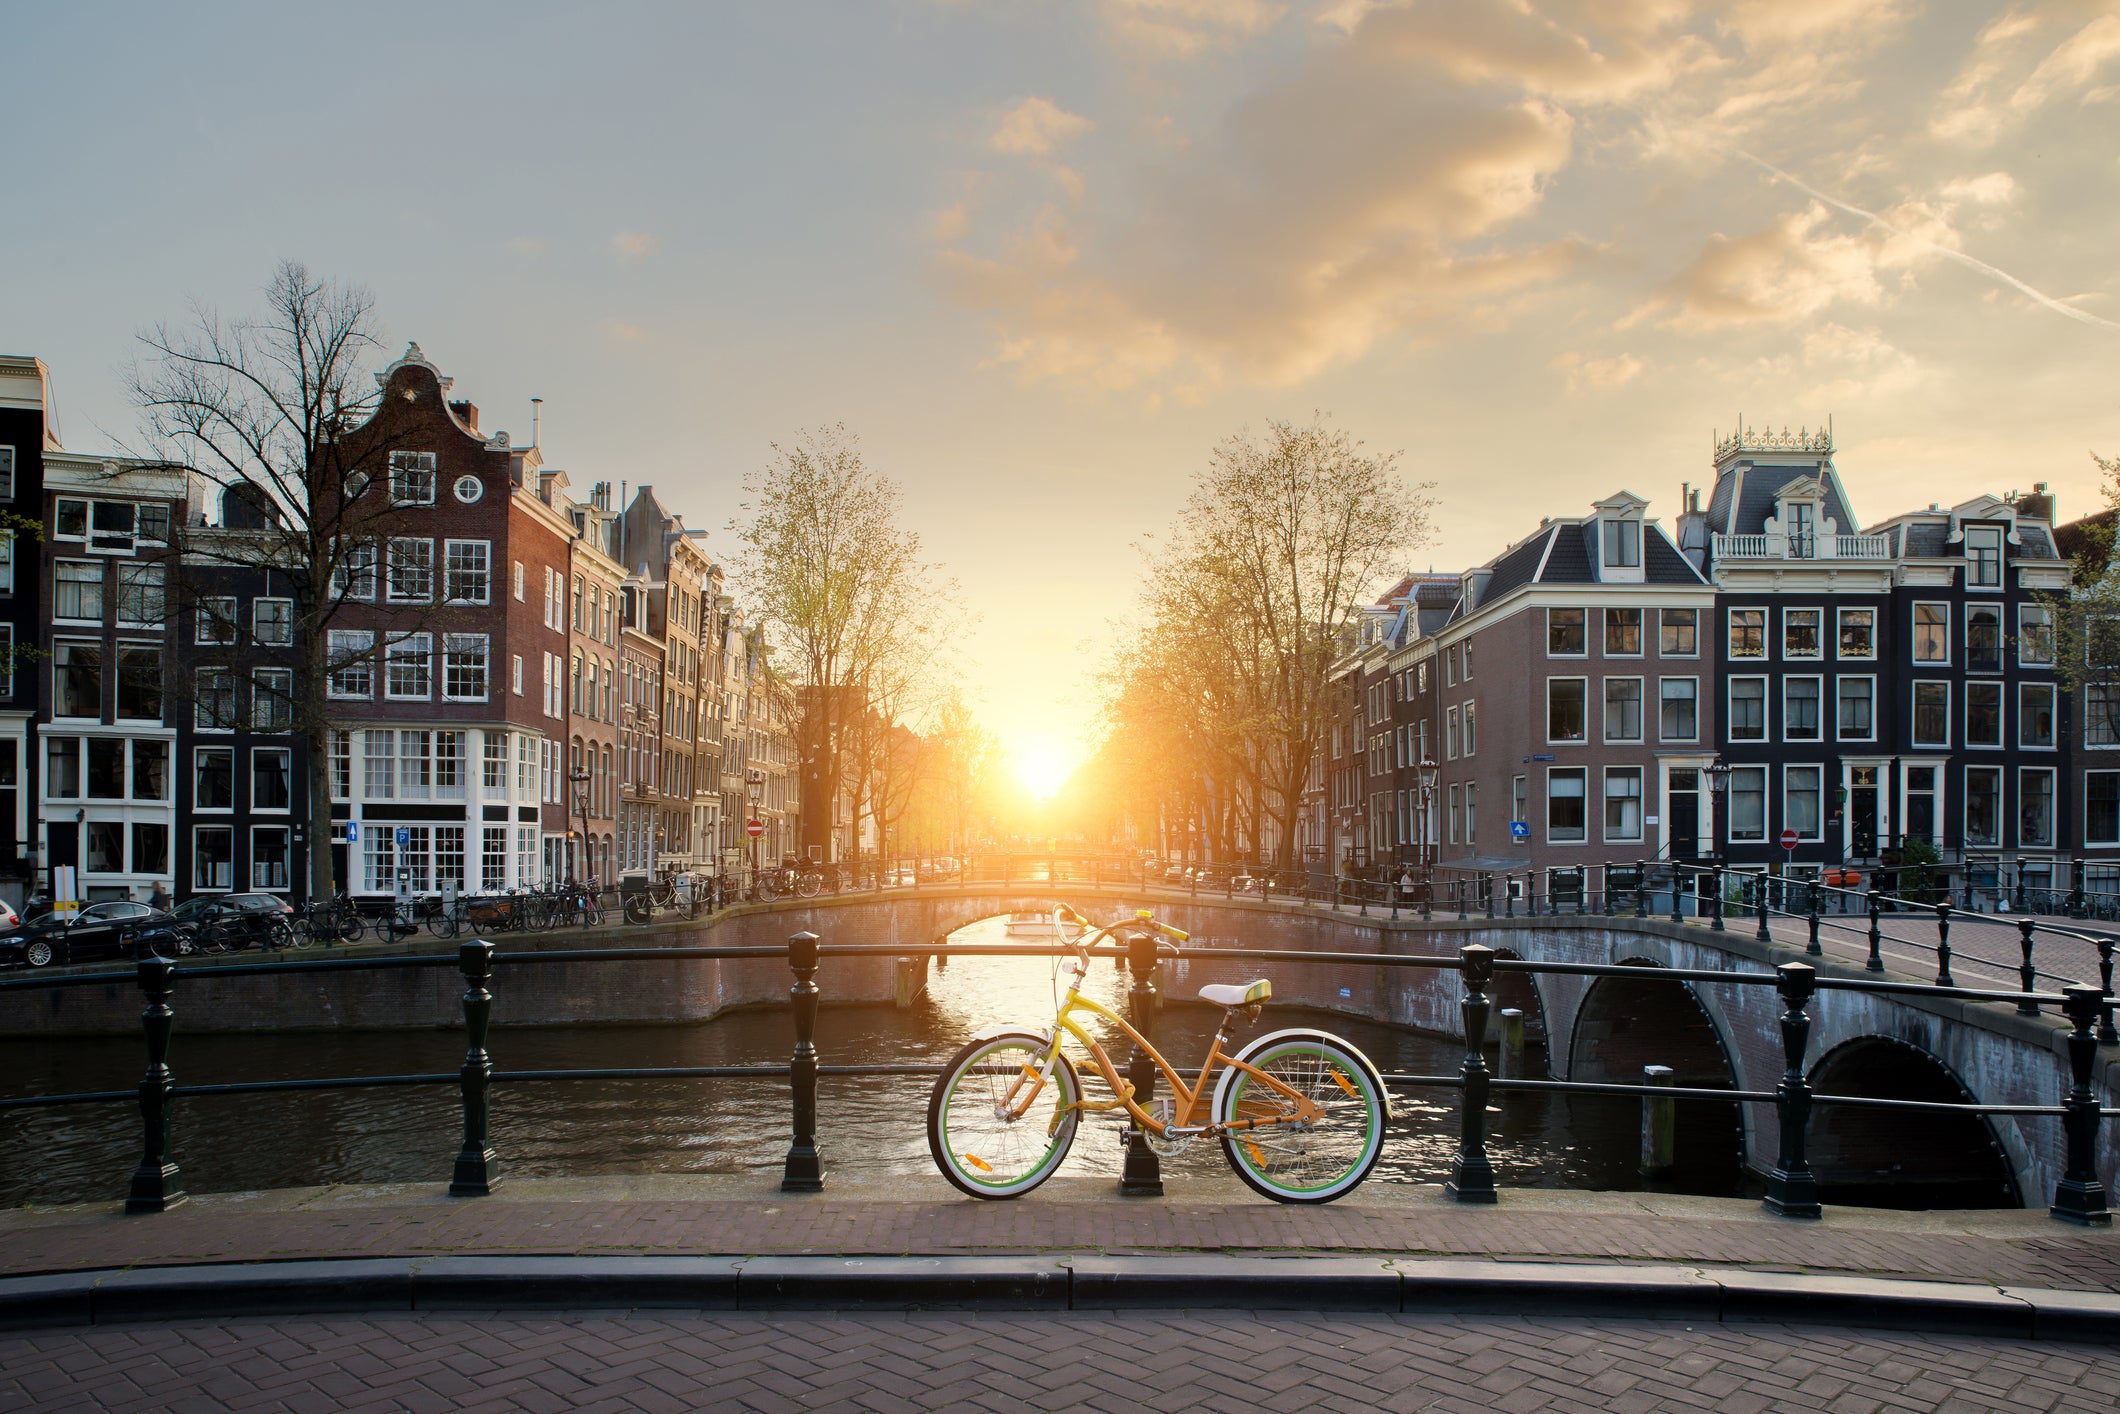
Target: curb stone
[{"x": 1057, "y": 1282}]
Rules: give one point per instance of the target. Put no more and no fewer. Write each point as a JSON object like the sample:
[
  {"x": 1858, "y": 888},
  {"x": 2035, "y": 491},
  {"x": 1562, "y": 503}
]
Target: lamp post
[
  {"x": 755, "y": 787},
  {"x": 1718, "y": 774},
  {"x": 580, "y": 778},
  {"x": 1427, "y": 770}
]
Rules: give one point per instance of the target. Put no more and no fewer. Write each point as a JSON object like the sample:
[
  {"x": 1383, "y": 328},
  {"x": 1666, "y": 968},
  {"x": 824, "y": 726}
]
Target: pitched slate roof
[{"x": 1743, "y": 499}]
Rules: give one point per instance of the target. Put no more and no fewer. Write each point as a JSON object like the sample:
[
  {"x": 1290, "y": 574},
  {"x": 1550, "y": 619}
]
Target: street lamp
[
  {"x": 581, "y": 801},
  {"x": 1718, "y": 774},
  {"x": 755, "y": 787},
  {"x": 1427, "y": 770}
]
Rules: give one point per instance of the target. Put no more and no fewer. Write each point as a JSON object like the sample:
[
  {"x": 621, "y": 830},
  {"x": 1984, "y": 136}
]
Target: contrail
[{"x": 1981, "y": 266}]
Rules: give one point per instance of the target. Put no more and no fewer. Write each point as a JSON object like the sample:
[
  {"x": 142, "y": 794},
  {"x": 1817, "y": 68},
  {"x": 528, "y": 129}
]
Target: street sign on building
[
  {"x": 353, "y": 832},
  {"x": 1519, "y": 829}
]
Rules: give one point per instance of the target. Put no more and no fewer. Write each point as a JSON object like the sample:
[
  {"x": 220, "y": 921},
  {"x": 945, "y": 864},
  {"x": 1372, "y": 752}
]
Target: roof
[{"x": 1743, "y": 499}]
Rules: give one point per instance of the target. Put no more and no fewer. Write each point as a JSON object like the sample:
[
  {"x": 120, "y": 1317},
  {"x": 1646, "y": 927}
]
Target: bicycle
[
  {"x": 1300, "y": 1114},
  {"x": 329, "y": 923}
]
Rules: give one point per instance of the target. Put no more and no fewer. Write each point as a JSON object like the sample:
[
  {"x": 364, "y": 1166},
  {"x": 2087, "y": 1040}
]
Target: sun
[{"x": 1043, "y": 768}]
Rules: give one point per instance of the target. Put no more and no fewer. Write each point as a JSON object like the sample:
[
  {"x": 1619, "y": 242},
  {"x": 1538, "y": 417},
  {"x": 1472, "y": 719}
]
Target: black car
[
  {"x": 100, "y": 930},
  {"x": 233, "y": 922}
]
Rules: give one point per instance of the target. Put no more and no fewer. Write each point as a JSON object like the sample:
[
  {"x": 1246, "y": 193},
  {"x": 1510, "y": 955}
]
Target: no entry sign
[
  {"x": 1788, "y": 839},
  {"x": 755, "y": 828}
]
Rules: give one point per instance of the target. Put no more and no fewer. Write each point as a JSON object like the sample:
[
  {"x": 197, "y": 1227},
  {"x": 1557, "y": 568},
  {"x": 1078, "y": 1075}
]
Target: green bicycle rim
[
  {"x": 1369, "y": 1121},
  {"x": 1052, "y": 1141}
]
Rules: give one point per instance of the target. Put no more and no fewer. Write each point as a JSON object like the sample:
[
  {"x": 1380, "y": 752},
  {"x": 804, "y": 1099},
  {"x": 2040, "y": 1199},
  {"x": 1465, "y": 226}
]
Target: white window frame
[
  {"x": 196, "y": 754},
  {"x": 1641, "y": 631},
  {"x": 1606, "y": 797},
  {"x": 7, "y": 472},
  {"x": 518, "y": 581},
  {"x": 1571, "y": 609},
  {"x": 100, "y": 589},
  {"x": 1840, "y": 732},
  {"x": 1450, "y": 733},
  {"x": 392, "y": 560},
  {"x": 1818, "y": 699},
  {"x": 420, "y": 644},
  {"x": 1621, "y": 544},
  {"x": 2025, "y": 690},
  {"x": 235, "y": 705},
  {"x": 1730, "y": 813},
  {"x": 1817, "y": 775},
  {"x": 1818, "y": 616},
  {"x": 1685, "y": 678},
  {"x": 255, "y": 807},
  {"x": 413, "y": 477},
  {"x": 261, "y": 694},
  {"x": 2088, "y": 841},
  {"x": 1581, "y": 774},
  {"x": 1992, "y": 535},
  {"x": 2002, "y": 723},
  {"x": 1641, "y": 707},
  {"x": 1583, "y": 740},
  {"x": 1914, "y": 737},
  {"x": 462, "y": 645},
  {"x": 1840, "y": 618},
  {"x": 146, "y": 595},
  {"x": 198, "y": 832},
  {"x": 1664, "y": 652},
  {"x": 484, "y": 571},
  {"x": 2044, "y": 632},
  {"x": 1766, "y": 725},
  {"x": 359, "y": 570},
  {"x": 1965, "y": 808},
  {"x": 1914, "y": 633},
  {"x": 2053, "y": 806},
  {"x": 358, "y": 644},
  {"x": 515, "y": 672},
  {"x": 257, "y": 627},
  {"x": 1766, "y": 623},
  {"x": 1992, "y": 613},
  {"x": 219, "y": 611}
]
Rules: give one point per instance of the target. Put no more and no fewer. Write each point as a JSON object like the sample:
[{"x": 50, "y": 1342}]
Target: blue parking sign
[{"x": 404, "y": 836}]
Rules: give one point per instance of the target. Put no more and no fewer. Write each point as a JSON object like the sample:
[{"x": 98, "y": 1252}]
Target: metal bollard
[
  {"x": 1943, "y": 946},
  {"x": 2079, "y": 1197},
  {"x": 476, "y": 1163},
  {"x": 1141, "y": 1176},
  {"x": 1510, "y": 1065},
  {"x": 1876, "y": 959},
  {"x": 1471, "y": 1176},
  {"x": 2027, "y": 975},
  {"x": 1715, "y": 900},
  {"x": 1817, "y": 898},
  {"x": 1641, "y": 888},
  {"x": 804, "y": 1170},
  {"x": 1659, "y": 1125},
  {"x": 2106, "y": 1035},
  {"x": 157, "y": 1184},
  {"x": 1763, "y": 935},
  {"x": 1678, "y": 882},
  {"x": 1792, "y": 1191}
]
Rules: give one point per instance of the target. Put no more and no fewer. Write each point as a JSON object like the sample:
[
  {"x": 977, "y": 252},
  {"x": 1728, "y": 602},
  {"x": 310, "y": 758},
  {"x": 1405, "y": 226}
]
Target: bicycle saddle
[{"x": 1230, "y": 994}]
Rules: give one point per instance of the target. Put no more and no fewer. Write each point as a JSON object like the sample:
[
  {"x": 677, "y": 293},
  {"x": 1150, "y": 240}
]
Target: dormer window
[
  {"x": 1800, "y": 521},
  {"x": 1983, "y": 556},
  {"x": 1623, "y": 544},
  {"x": 412, "y": 478}
]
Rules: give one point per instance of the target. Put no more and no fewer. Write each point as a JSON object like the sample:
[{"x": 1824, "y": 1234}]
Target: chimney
[{"x": 466, "y": 412}]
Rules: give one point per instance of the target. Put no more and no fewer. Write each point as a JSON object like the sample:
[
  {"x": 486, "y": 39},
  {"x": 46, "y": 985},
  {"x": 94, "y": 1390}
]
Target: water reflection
[{"x": 874, "y": 1125}]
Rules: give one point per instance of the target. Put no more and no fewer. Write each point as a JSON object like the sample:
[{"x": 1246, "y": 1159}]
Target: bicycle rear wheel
[
  {"x": 1303, "y": 1163},
  {"x": 983, "y": 1148}
]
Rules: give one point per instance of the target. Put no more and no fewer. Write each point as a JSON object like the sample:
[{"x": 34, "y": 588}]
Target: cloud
[
  {"x": 1790, "y": 270},
  {"x": 632, "y": 247},
  {"x": 950, "y": 223},
  {"x": 2016, "y": 68},
  {"x": 619, "y": 331},
  {"x": 1598, "y": 375},
  {"x": 1183, "y": 28},
  {"x": 1037, "y": 127}
]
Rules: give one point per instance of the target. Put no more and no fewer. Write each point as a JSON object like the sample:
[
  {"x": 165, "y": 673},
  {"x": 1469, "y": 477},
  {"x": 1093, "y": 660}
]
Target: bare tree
[
  {"x": 279, "y": 412},
  {"x": 2084, "y": 622}
]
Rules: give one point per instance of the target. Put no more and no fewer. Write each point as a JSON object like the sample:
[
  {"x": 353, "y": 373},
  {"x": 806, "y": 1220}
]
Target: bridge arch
[
  {"x": 1623, "y": 1024},
  {"x": 1522, "y": 991},
  {"x": 1903, "y": 1158}
]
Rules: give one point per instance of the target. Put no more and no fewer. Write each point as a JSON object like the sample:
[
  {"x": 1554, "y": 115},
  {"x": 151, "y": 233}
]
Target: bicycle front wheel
[
  {"x": 981, "y": 1143},
  {"x": 1292, "y": 1162},
  {"x": 638, "y": 909}
]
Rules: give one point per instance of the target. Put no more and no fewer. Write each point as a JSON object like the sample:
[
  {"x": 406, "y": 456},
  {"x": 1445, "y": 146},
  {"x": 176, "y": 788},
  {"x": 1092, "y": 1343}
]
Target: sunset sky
[{"x": 1041, "y": 256}]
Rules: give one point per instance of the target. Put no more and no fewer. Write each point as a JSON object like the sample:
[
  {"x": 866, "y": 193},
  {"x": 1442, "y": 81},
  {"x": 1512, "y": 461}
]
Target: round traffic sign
[
  {"x": 1788, "y": 839},
  {"x": 754, "y": 828}
]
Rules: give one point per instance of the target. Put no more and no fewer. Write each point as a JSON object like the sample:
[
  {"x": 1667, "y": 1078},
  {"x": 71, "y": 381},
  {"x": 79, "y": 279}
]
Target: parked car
[
  {"x": 114, "y": 929},
  {"x": 233, "y": 922}
]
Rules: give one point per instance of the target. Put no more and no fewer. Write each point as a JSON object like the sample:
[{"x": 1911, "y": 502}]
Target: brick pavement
[
  {"x": 679, "y": 1215},
  {"x": 1167, "y": 1361}
]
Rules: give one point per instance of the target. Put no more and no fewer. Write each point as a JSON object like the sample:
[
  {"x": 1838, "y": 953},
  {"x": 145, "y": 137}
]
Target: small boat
[{"x": 1037, "y": 925}]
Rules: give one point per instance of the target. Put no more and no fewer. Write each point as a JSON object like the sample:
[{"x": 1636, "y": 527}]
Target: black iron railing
[{"x": 157, "y": 1182}]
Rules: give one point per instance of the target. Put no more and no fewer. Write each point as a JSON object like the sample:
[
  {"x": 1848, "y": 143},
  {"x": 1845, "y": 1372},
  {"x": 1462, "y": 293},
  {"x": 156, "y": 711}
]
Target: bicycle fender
[
  {"x": 988, "y": 1033},
  {"x": 1252, "y": 1048}
]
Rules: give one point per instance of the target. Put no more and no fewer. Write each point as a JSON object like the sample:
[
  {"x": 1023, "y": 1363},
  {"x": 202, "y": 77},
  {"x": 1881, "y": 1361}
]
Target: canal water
[{"x": 871, "y": 1125}]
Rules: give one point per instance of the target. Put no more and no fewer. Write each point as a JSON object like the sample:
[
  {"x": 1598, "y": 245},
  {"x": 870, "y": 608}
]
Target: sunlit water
[{"x": 875, "y": 1125}]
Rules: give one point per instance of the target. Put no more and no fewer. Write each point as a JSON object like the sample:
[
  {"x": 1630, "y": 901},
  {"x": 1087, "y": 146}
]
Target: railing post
[
  {"x": 2027, "y": 975},
  {"x": 1141, "y": 1175},
  {"x": 2079, "y": 1197},
  {"x": 1508, "y": 896},
  {"x": 157, "y": 1184},
  {"x": 2106, "y": 1035},
  {"x": 1471, "y": 1176},
  {"x": 804, "y": 1170},
  {"x": 1605, "y": 878},
  {"x": 1715, "y": 900},
  {"x": 1641, "y": 888},
  {"x": 1876, "y": 958},
  {"x": 474, "y": 1175},
  {"x": 1762, "y": 934},
  {"x": 1943, "y": 946},
  {"x": 1791, "y": 1190},
  {"x": 1817, "y": 892},
  {"x": 1678, "y": 881}
]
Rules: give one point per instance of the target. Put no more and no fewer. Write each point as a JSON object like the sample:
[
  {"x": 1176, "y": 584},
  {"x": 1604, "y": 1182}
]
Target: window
[
  {"x": 106, "y": 768},
  {"x": 493, "y": 858},
  {"x": 1799, "y": 633},
  {"x": 215, "y": 622},
  {"x": 1983, "y": 638},
  {"x": 1679, "y": 718},
  {"x": 494, "y": 758},
  {"x": 1623, "y": 633},
  {"x": 577, "y": 603},
  {"x": 139, "y": 683},
  {"x": 464, "y": 667},
  {"x": 1802, "y": 790},
  {"x": 412, "y": 478},
  {"x": 353, "y": 577},
  {"x": 341, "y": 765},
  {"x": 271, "y": 778},
  {"x": 2035, "y": 808},
  {"x": 1472, "y": 810},
  {"x": 1932, "y": 633},
  {"x": 1565, "y": 822},
  {"x": 70, "y": 519},
  {"x": 7, "y": 660},
  {"x": 1983, "y": 805},
  {"x": 154, "y": 524},
  {"x": 1623, "y": 543},
  {"x": 7, "y": 561},
  {"x": 379, "y": 764},
  {"x": 2101, "y": 714},
  {"x": 150, "y": 847},
  {"x": 1465, "y": 654},
  {"x": 1519, "y": 797},
  {"x": 1799, "y": 709},
  {"x": 62, "y": 767},
  {"x": 141, "y": 600},
  {"x": 1983, "y": 714},
  {"x": 213, "y": 778},
  {"x": 150, "y": 769},
  {"x": 272, "y": 700},
  {"x": 1983, "y": 556},
  {"x": 1566, "y": 634},
  {"x": 1623, "y": 804},
  {"x": 1453, "y": 815},
  {"x": 1748, "y": 709},
  {"x": 1566, "y": 714},
  {"x": 2035, "y": 714},
  {"x": 1472, "y": 730},
  {"x": 7, "y": 473},
  {"x": 1748, "y": 804},
  {"x": 448, "y": 764},
  {"x": 515, "y": 673},
  {"x": 465, "y": 571},
  {"x": 268, "y": 857},
  {"x": 1679, "y": 632},
  {"x": 1748, "y": 633},
  {"x": 1932, "y": 714},
  {"x": 1623, "y": 709},
  {"x": 106, "y": 847},
  {"x": 408, "y": 667},
  {"x": 213, "y": 857},
  {"x": 351, "y": 663},
  {"x": 2101, "y": 807},
  {"x": 272, "y": 621},
  {"x": 411, "y": 570},
  {"x": 519, "y": 596},
  {"x": 1922, "y": 815},
  {"x": 2035, "y": 635},
  {"x": 1858, "y": 633},
  {"x": 1858, "y": 707},
  {"x": 77, "y": 590},
  {"x": 216, "y": 701}
]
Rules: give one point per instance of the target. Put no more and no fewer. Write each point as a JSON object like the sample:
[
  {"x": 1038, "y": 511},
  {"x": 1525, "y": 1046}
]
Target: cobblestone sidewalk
[{"x": 1169, "y": 1362}]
